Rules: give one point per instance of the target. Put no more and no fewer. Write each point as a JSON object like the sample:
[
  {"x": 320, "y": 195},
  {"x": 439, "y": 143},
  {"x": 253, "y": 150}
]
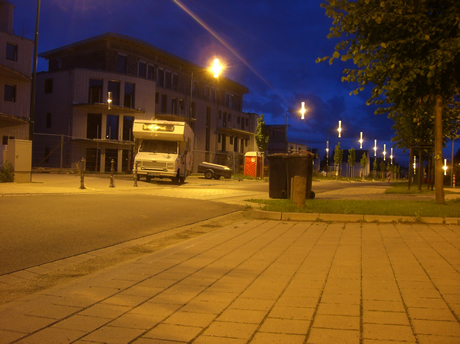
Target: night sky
[{"x": 268, "y": 46}]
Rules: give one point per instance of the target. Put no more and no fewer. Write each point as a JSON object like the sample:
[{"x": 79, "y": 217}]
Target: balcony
[{"x": 103, "y": 107}]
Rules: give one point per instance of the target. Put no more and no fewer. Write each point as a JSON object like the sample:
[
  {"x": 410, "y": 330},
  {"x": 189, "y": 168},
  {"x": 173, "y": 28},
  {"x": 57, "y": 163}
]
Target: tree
[
  {"x": 374, "y": 167},
  {"x": 363, "y": 163},
  {"x": 338, "y": 156},
  {"x": 262, "y": 135},
  {"x": 351, "y": 160},
  {"x": 409, "y": 51},
  {"x": 382, "y": 169}
]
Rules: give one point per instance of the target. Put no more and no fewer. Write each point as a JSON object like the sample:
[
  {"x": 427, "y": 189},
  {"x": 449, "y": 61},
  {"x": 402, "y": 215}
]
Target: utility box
[
  {"x": 19, "y": 154},
  {"x": 253, "y": 164}
]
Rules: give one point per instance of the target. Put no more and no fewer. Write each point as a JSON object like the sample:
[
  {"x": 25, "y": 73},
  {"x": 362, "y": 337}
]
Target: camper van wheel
[{"x": 208, "y": 174}]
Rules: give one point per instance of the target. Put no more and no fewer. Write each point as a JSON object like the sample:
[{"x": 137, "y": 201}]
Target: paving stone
[
  {"x": 339, "y": 322},
  {"x": 327, "y": 336},
  {"x": 53, "y": 335},
  {"x": 287, "y": 326},
  {"x": 191, "y": 319},
  {"x": 228, "y": 329},
  {"x": 388, "y": 318},
  {"x": 388, "y": 332},
  {"x": 113, "y": 335},
  {"x": 263, "y": 338}
]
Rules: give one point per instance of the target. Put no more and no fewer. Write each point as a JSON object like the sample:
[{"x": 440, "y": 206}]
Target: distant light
[
  {"x": 340, "y": 128},
  {"x": 303, "y": 110},
  {"x": 361, "y": 140}
]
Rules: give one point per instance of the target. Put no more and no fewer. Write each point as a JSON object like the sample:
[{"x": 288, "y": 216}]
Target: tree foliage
[
  {"x": 338, "y": 154},
  {"x": 408, "y": 51},
  {"x": 363, "y": 161},
  {"x": 262, "y": 135}
]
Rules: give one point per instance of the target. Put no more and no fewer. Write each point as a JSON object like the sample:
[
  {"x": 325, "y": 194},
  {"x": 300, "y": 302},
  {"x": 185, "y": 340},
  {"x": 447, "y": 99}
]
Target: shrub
[{"x": 6, "y": 173}]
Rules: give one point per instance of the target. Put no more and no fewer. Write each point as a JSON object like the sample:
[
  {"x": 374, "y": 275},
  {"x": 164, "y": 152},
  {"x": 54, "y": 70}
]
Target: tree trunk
[{"x": 438, "y": 171}]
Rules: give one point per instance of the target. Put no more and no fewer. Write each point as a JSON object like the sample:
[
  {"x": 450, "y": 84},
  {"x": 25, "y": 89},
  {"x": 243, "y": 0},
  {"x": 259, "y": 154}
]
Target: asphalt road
[{"x": 40, "y": 229}]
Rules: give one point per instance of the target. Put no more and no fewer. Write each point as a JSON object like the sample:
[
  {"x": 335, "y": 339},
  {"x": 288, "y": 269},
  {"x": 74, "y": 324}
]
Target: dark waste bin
[
  {"x": 300, "y": 164},
  {"x": 277, "y": 181}
]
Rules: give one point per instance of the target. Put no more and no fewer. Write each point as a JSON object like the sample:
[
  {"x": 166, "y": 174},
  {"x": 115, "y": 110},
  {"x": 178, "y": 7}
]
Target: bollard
[
  {"x": 82, "y": 174},
  {"x": 135, "y": 174},
  {"x": 112, "y": 185},
  {"x": 299, "y": 194}
]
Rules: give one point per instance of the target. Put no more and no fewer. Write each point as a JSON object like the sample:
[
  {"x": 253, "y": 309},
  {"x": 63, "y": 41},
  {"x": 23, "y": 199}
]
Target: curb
[{"x": 313, "y": 217}]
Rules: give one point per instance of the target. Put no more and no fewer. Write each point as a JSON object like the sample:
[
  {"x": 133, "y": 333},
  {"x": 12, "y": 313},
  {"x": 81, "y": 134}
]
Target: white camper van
[{"x": 164, "y": 149}]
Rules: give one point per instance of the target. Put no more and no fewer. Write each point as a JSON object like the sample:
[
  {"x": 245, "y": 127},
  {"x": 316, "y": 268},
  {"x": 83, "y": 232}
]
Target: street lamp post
[{"x": 302, "y": 112}]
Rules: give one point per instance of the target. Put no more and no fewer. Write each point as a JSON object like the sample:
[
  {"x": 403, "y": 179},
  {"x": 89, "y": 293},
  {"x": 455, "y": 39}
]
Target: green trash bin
[
  {"x": 277, "y": 181},
  {"x": 300, "y": 164}
]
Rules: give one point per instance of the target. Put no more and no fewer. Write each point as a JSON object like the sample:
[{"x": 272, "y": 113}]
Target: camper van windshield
[{"x": 155, "y": 146}]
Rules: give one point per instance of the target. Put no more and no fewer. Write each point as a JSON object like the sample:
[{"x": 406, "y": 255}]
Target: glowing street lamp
[
  {"x": 340, "y": 128},
  {"x": 109, "y": 100},
  {"x": 216, "y": 68},
  {"x": 384, "y": 151},
  {"x": 361, "y": 140},
  {"x": 375, "y": 148},
  {"x": 391, "y": 155},
  {"x": 445, "y": 167}
]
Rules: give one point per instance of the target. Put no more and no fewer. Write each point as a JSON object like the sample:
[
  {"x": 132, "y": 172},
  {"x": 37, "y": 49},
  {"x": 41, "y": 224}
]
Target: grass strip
[{"x": 395, "y": 208}]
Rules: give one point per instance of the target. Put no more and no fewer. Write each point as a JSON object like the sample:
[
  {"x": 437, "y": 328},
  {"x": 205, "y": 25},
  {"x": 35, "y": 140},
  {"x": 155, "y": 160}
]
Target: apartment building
[
  {"x": 94, "y": 89},
  {"x": 15, "y": 79}
]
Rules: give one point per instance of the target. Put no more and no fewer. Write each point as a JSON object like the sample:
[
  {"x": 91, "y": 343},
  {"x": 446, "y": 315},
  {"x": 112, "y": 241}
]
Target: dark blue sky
[{"x": 268, "y": 46}]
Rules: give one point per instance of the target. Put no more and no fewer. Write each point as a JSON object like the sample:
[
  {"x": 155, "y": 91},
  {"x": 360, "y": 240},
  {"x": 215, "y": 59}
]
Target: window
[
  {"x": 11, "y": 52},
  {"x": 161, "y": 77},
  {"x": 181, "y": 104},
  {"x": 226, "y": 99},
  {"x": 174, "y": 106},
  {"x": 121, "y": 64},
  {"x": 150, "y": 75},
  {"x": 95, "y": 91},
  {"x": 168, "y": 80},
  {"x": 157, "y": 97},
  {"x": 129, "y": 95},
  {"x": 111, "y": 131},
  {"x": 230, "y": 104},
  {"x": 208, "y": 128},
  {"x": 128, "y": 122},
  {"x": 219, "y": 138},
  {"x": 47, "y": 154},
  {"x": 164, "y": 104},
  {"x": 48, "y": 120},
  {"x": 229, "y": 117},
  {"x": 48, "y": 85},
  {"x": 142, "y": 69},
  {"x": 247, "y": 121},
  {"x": 212, "y": 95},
  {"x": 235, "y": 146},
  {"x": 5, "y": 140},
  {"x": 93, "y": 125},
  {"x": 114, "y": 88},
  {"x": 10, "y": 93},
  {"x": 58, "y": 63},
  {"x": 175, "y": 81},
  {"x": 231, "y": 140}
]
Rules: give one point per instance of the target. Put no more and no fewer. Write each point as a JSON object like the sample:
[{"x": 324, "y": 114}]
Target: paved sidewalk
[{"x": 262, "y": 282}]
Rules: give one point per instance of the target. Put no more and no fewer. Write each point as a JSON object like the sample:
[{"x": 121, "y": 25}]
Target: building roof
[{"x": 114, "y": 36}]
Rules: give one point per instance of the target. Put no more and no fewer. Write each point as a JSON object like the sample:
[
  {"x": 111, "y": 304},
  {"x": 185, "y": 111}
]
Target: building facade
[
  {"x": 74, "y": 119},
  {"x": 15, "y": 79}
]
